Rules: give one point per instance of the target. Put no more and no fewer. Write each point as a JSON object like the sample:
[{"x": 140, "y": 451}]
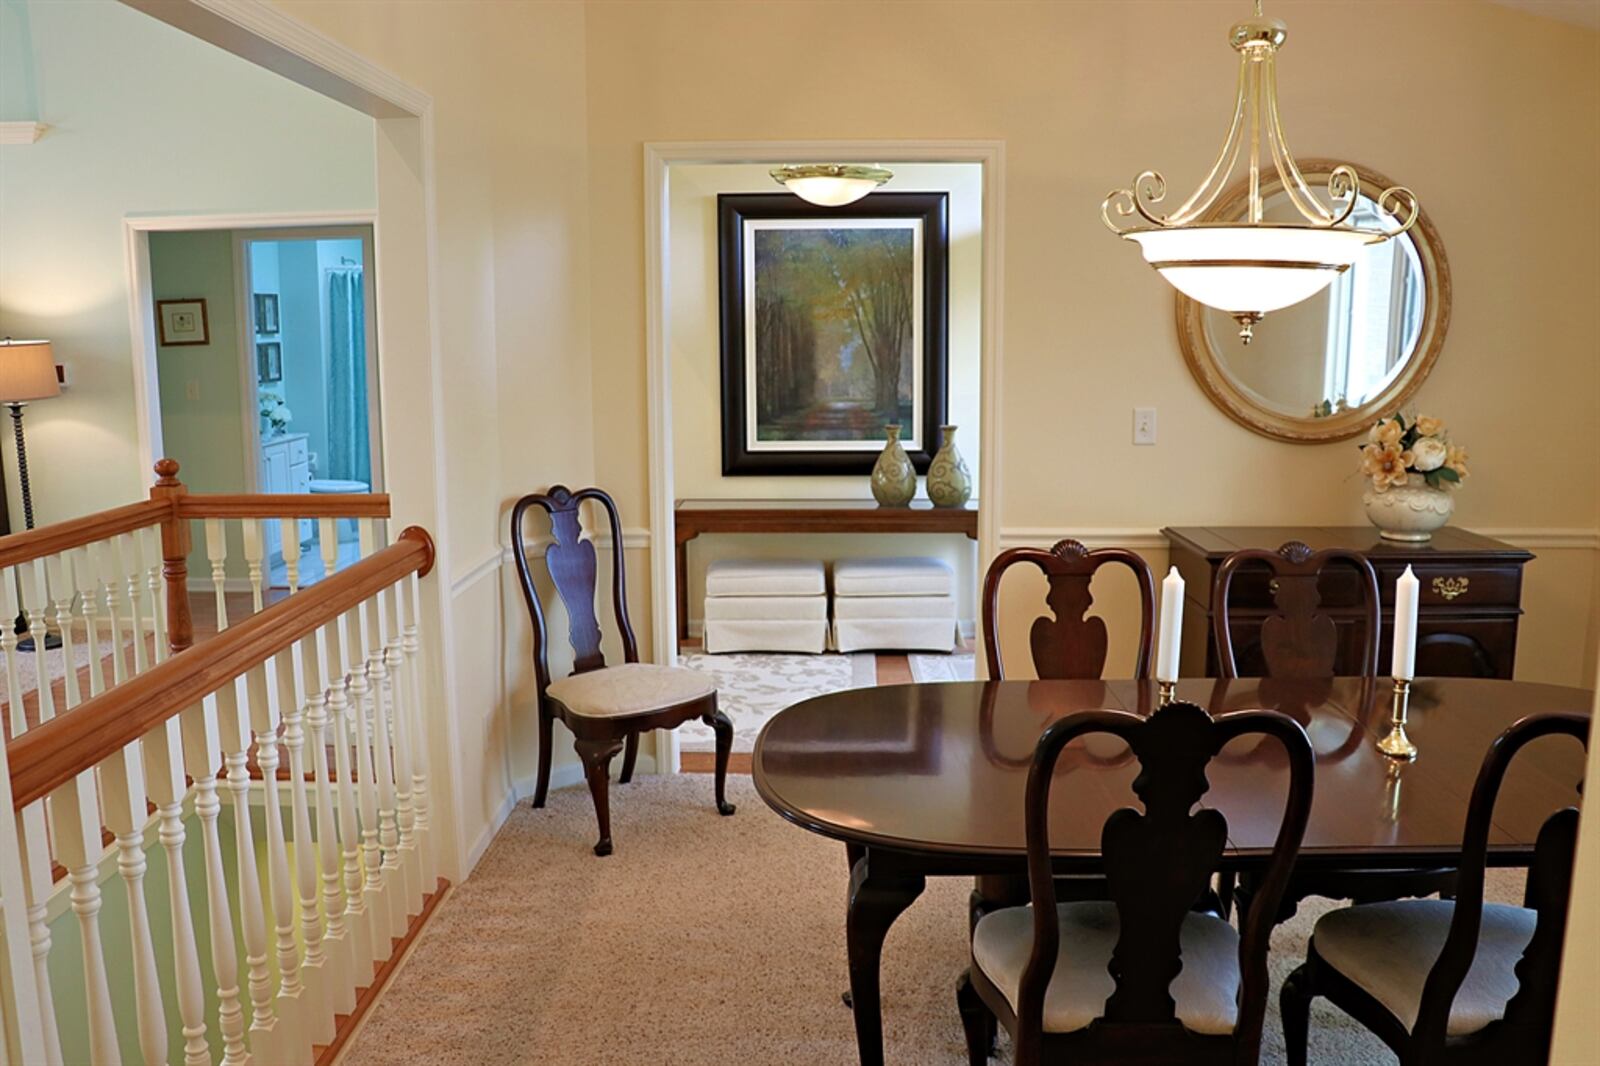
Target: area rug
[
  {"x": 703, "y": 940},
  {"x": 752, "y": 687},
  {"x": 55, "y": 666},
  {"x": 957, "y": 666}
]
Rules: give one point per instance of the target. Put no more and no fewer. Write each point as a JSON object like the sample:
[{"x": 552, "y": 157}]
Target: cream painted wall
[
  {"x": 1087, "y": 328},
  {"x": 695, "y": 352},
  {"x": 512, "y": 286},
  {"x": 130, "y": 136}
]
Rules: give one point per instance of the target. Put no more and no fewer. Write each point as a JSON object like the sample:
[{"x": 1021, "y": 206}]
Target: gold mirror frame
[{"x": 1202, "y": 359}]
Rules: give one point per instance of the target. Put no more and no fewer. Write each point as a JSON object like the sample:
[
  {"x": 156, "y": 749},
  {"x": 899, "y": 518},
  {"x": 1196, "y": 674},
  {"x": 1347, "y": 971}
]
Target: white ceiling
[{"x": 1584, "y": 13}]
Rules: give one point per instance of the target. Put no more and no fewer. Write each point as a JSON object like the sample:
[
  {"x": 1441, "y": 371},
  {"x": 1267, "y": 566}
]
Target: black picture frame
[
  {"x": 733, "y": 211},
  {"x": 269, "y": 362},
  {"x": 266, "y": 312}
]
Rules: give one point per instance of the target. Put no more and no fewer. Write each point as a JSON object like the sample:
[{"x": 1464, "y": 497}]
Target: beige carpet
[{"x": 702, "y": 940}]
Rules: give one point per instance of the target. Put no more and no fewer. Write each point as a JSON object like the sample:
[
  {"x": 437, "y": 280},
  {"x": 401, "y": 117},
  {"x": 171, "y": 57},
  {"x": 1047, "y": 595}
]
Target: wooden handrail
[
  {"x": 60, "y": 536},
  {"x": 285, "y": 505},
  {"x": 47, "y": 757}
]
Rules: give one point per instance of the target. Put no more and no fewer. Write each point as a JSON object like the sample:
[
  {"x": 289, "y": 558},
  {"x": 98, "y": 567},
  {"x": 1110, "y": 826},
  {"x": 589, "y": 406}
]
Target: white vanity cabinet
[{"x": 285, "y": 467}]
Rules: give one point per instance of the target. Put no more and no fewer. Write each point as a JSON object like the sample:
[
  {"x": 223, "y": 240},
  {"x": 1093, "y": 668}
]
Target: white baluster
[
  {"x": 370, "y": 626},
  {"x": 163, "y": 767},
  {"x": 147, "y": 549},
  {"x": 122, "y": 791},
  {"x": 55, "y": 589},
  {"x": 29, "y": 1028},
  {"x": 75, "y": 835},
  {"x": 286, "y": 690},
  {"x": 15, "y": 702},
  {"x": 289, "y": 534},
  {"x": 132, "y": 569},
  {"x": 62, "y": 570},
  {"x": 266, "y": 707},
  {"x": 102, "y": 555},
  {"x": 328, "y": 541},
  {"x": 217, "y": 553},
  {"x": 338, "y": 946},
  {"x": 356, "y": 922},
  {"x": 400, "y": 720},
  {"x": 412, "y": 644},
  {"x": 202, "y": 748},
  {"x": 34, "y": 845},
  {"x": 234, "y": 727},
  {"x": 351, "y": 629},
  {"x": 253, "y": 538}
]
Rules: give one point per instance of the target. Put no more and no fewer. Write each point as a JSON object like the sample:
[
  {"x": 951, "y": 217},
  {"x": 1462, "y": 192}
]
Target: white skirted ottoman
[
  {"x": 906, "y": 604},
  {"x": 766, "y": 605}
]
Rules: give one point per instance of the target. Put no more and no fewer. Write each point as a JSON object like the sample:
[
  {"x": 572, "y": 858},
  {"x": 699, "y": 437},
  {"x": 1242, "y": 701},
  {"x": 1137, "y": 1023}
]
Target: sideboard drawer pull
[{"x": 1450, "y": 587}]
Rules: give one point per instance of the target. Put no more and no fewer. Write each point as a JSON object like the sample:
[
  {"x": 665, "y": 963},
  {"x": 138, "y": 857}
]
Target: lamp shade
[{"x": 27, "y": 371}]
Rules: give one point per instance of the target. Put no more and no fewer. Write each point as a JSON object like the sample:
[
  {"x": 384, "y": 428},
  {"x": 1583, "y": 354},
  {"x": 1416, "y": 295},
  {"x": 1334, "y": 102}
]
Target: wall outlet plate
[{"x": 1144, "y": 425}]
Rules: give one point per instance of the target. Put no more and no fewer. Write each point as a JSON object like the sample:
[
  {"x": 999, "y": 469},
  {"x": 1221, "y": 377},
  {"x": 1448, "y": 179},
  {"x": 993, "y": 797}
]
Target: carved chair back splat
[
  {"x": 1072, "y": 644},
  {"x": 574, "y": 571},
  {"x": 1158, "y": 863},
  {"x": 1297, "y": 640}
]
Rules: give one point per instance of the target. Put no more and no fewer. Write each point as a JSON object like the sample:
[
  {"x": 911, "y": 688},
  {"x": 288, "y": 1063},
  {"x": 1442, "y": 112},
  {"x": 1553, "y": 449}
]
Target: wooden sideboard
[{"x": 1467, "y": 618}]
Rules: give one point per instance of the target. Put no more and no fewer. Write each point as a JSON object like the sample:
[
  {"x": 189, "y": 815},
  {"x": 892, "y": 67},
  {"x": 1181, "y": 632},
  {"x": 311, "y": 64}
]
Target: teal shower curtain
[{"x": 349, "y": 443}]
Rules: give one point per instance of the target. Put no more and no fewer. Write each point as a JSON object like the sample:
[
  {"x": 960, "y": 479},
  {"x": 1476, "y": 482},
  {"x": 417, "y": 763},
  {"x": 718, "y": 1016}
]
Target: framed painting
[
  {"x": 182, "y": 322},
  {"x": 266, "y": 312},
  {"x": 269, "y": 362},
  {"x": 834, "y": 325}
]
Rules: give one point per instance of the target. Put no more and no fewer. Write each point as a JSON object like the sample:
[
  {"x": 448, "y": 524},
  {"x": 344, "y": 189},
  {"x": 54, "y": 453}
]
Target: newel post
[{"x": 175, "y": 544}]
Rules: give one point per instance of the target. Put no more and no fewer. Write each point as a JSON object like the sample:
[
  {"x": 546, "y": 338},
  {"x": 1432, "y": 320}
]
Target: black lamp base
[{"x": 52, "y": 640}]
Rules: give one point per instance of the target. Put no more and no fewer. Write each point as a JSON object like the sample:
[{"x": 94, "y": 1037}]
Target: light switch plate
[
  {"x": 191, "y": 390},
  {"x": 1144, "y": 425}
]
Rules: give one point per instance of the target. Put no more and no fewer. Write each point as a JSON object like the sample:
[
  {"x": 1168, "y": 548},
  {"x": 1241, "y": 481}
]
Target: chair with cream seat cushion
[
  {"x": 1142, "y": 977},
  {"x": 605, "y": 707},
  {"x": 1453, "y": 981}
]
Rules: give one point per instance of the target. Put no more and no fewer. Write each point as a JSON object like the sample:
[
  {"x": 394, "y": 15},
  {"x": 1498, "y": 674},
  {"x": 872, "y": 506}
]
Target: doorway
[{"x": 280, "y": 393}]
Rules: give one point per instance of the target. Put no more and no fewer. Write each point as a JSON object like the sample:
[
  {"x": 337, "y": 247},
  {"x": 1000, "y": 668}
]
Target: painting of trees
[{"x": 834, "y": 322}]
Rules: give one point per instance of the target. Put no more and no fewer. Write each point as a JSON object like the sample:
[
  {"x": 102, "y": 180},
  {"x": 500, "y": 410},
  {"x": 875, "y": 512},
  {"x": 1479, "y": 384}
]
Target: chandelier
[
  {"x": 830, "y": 184},
  {"x": 1252, "y": 266}
]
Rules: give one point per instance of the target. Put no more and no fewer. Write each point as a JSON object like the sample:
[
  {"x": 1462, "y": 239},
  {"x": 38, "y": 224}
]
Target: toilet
[{"x": 349, "y": 532}]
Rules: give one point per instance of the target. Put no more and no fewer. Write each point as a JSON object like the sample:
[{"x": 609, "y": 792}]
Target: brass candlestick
[
  {"x": 1166, "y": 692},
  {"x": 1396, "y": 744},
  {"x": 1391, "y": 790}
]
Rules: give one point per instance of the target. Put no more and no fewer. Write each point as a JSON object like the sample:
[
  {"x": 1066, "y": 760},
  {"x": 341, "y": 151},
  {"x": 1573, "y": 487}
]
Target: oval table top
[{"x": 940, "y": 769}]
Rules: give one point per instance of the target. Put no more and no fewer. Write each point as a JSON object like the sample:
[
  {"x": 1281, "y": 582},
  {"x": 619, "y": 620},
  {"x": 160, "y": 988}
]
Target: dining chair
[
  {"x": 1072, "y": 644},
  {"x": 1299, "y": 640},
  {"x": 1142, "y": 976},
  {"x": 1460, "y": 981},
  {"x": 605, "y": 707}
]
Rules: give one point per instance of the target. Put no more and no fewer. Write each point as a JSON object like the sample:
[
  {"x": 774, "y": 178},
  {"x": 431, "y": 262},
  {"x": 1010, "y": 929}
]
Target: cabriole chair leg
[
  {"x": 630, "y": 754},
  {"x": 723, "y": 727},
  {"x": 976, "y": 1021},
  {"x": 596, "y": 756},
  {"x": 1294, "y": 1004},
  {"x": 546, "y": 720}
]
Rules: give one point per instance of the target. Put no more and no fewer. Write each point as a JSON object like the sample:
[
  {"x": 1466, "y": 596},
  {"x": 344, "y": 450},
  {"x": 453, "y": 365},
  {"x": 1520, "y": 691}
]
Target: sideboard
[{"x": 1470, "y": 604}]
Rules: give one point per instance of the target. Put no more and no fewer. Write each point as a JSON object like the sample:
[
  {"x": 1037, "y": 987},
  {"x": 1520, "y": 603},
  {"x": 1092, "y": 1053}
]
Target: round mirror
[{"x": 1328, "y": 367}]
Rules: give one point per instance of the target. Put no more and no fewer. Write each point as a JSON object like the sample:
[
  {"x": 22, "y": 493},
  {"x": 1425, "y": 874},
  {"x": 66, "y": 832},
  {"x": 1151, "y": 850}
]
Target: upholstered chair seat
[
  {"x": 1206, "y": 991},
  {"x": 1388, "y": 948},
  {"x": 630, "y": 688}
]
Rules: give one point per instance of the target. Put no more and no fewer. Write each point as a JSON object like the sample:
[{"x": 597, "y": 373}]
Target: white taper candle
[
  {"x": 1406, "y": 590},
  {"x": 1171, "y": 639}
]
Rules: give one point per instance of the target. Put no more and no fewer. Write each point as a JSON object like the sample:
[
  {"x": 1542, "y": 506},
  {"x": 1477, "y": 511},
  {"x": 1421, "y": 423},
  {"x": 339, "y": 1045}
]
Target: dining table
[{"x": 927, "y": 780}]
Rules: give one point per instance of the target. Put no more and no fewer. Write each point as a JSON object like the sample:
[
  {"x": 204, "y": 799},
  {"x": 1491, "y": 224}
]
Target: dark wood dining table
[{"x": 927, "y": 780}]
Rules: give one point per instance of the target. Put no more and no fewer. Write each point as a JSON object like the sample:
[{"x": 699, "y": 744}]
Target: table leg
[
  {"x": 683, "y": 590},
  {"x": 876, "y": 900}
]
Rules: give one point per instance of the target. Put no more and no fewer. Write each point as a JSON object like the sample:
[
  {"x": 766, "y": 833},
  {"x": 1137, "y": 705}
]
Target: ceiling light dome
[
  {"x": 830, "y": 184},
  {"x": 1250, "y": 266}
]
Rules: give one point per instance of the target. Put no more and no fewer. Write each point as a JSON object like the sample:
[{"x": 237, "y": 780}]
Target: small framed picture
[
  {"x": 269, "y": 362},
  {"x": 266, "y": 312},
  {"x": 182, "y": 322}
]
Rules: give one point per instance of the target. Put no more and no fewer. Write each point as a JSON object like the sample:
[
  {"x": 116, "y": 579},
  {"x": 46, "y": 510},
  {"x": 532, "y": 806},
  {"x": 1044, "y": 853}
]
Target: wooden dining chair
[
  {"x": 1072, "y": 644},
  {"x": 605, "y": 707},
  {"x": 1299, "y": 640},
  {"x": 1141, "y": 977},
  {"x": 1457, "y": 982}
]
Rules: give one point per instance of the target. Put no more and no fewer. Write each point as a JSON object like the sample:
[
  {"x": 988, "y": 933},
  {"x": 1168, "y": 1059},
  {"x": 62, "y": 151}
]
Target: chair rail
[{"x": 47, "y": 757}]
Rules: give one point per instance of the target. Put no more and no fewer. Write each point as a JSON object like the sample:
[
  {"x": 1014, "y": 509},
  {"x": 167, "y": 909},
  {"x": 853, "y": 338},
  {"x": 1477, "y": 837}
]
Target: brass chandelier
[{"x": 1250, "y": 267}]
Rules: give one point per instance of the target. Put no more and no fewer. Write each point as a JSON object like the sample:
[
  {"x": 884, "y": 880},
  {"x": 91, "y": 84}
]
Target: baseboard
[
  {"x": 562, "y": 775},
  {"x": 486, "y": 837}
]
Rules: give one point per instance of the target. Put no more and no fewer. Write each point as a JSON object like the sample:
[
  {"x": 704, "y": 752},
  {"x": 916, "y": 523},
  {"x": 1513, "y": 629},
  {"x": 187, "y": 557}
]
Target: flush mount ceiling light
[
  {"x": 1252, "y": 266},
  {"x": 830, "y": 184}
]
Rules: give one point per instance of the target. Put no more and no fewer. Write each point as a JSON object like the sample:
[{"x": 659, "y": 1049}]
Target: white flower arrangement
[
  {"x": 1395, "y": 450},
  {"x": 275, "y": 411}
]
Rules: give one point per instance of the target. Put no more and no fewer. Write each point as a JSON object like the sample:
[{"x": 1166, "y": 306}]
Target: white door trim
[{"x": 658, "y": 158}]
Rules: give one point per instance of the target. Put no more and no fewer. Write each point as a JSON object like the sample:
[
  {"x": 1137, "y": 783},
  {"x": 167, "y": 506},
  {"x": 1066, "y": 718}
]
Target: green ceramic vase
[
  {"x": 949, "y": 481},
  {"x": 894, "y": 479}
]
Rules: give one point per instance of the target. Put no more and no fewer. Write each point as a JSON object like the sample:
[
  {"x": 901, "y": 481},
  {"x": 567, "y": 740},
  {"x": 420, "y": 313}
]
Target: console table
[
  {"x": 694, "y": 517},
  {"x": 1466, "y": 617}
]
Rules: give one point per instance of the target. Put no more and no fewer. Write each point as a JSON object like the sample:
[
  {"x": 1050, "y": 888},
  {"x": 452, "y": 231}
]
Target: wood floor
[{"x": 892, "y": 670}]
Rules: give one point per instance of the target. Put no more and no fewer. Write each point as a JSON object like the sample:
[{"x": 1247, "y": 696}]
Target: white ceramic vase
[{"x": 1409, "y": 512}]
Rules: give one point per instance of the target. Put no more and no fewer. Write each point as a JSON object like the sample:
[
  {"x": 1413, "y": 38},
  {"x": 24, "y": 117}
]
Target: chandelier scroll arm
[
  {"x": 1390, "y": 199},
  {"x": 1202, "y": 198},
  {"x": 1120, "y": 201}
]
